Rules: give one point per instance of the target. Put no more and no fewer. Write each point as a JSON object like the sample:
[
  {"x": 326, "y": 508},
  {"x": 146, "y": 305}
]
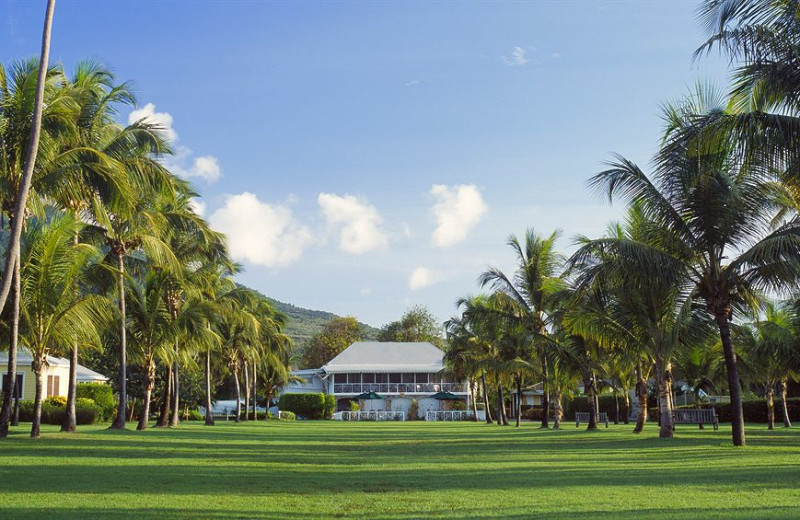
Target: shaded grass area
[{"x": 397, "y": 471}]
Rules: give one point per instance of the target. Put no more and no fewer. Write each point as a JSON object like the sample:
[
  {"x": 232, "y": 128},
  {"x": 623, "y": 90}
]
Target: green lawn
[{"x": 398, "y": 470}]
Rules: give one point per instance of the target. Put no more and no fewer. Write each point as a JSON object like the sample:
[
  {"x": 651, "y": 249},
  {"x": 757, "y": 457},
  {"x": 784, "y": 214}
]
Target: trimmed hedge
[
  {"x": 102, "y": 395},
  {"x": 308, "y": 406},
  {"x": 86, "y": 411},
  {"x": 581, "y": 404}
]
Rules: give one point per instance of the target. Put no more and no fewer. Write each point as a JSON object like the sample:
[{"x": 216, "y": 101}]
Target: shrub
[
  {"x": 458, "y": 405},
  {"x": 102, "y": 395},
  {"x": 287, "y": 416},
  {"x": 306, "y": 406},
  {"x": 193, "y": 415},
  {"x": 329, "y": 406},
  {"x": 87, "y": 411},
  {"x": 26, "y": 411},
  {"x": 413, "y": 410},
  {"x": 56, "y": 400},
  {"x": 354, "y": 406}
]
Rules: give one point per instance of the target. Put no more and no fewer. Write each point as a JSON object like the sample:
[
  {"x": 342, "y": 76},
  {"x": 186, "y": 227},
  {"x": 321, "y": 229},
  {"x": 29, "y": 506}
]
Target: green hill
[{"x": 305, "y": 323}]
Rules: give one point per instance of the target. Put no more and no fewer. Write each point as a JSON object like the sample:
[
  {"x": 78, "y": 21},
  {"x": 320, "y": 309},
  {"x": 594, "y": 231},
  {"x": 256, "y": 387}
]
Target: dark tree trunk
[
  {"x": 209, "y": 413},
  {"x": 122, "y": 410},
  {"x": 489, "y": 419},
  {"x": 246, "y": 392},
  {"x": 641, "y": 400},
  {"x": 163, "y": 414},
  {"x": 734, "y": 387},
  {"x": 519, "y": 401},
  {"x": 37, "y": 401},
  {"x": 627, "y": 405},
  {"x": 616, "y": 406},
  {"x": 787, "y": 423},
  {"x": 546, "y": 392},
  {"x": 70, "y": 420},
  {"x": 176, "y": 396},
  {"x": 501, "y": 403},
  {"x": 149, "y": 383},
  {"x": 588, "y": 384},
  {"x": 11, "y": 375},
  {"x": 770, "y": 405}
]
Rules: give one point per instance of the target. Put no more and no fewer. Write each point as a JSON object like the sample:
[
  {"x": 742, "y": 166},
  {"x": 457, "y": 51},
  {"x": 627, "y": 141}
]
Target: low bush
[
  {"x": 458, "y": 405},
  {"x": 306, "y": 406},
  {"x": 102, "y": 395},
  {"x": 329, "y": 406},
  {"x": 56, "y": 400},
  {"x": 287, "y": 416},
  {"x": 193, "y": 415},
  {"x": 86, "y": 411}
]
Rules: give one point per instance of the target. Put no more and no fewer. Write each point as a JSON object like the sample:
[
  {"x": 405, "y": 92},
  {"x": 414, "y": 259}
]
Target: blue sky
[{"x": 367, "y": 156}]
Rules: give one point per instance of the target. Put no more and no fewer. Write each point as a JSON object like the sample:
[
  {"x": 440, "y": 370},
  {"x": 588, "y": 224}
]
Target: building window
[
  {"x": 353, "y": 378},
  {"x": 394, "y": 378},
  {"x": 339, "y": 379},
  {"x": 407, "y": 378},
  {"x": 17, "y": 389},
  {"x": 53, "y": 385},
  {"x": 421, "y": 378},
  {"x": 381, "y": 378},
  {"x": 369, "y": 378}
]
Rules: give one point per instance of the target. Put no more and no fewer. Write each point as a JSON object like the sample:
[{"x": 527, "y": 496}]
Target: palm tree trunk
[
  {"x": 641, "y": 400},
  {"x": 70, "y": 421},
  {"x": 787, "y": 423},
  {"x": 616, "y": 406},
  {"x": 119, "y": 421},
  {"x": 734, "y": 387},
  {"x": 501, "y": 403},
  {"x": 238, "y": 393},
  {"x": 11, "y": 376},
  {"x": 546, "y": 393},
  {"x": 37, "y": 401},
  {"x": 246, "y": 391},
  {"x": 664, "y": 408},
  {"x": 472, "y": 390},
  {"x": 489, "y": 419},
  {"x": 588, "y": 384},
  {"x": 149, "y": 383},
  {"x": 21, "y": 202},
  {"x": 770, "y": 406},
  {"x": 209, "y": 413},
  {"x": 176, "y": 395},
  {"x": 627, "y": 401},
  {"x": 255, "y": 393},
  {"x": 559, "y": 411},
  {"x": 163, "y": 414},
  {"x": 519, "y": 401}
]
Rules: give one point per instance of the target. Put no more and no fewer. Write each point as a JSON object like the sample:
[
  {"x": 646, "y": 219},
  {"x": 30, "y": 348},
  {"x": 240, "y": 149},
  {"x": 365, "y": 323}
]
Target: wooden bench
[
  {"x": 698, "y": 416},
  {"x": 580, "y": 417}
]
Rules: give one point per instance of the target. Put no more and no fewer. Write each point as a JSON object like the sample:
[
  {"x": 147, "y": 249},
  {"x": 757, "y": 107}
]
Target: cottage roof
[
  {"x": 385, "y": 356},
  {"x": 83, "y": 374}
]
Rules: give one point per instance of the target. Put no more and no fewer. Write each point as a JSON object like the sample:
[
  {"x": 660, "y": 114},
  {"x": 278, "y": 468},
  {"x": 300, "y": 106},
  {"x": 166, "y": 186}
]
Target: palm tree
[
  {"x": 54, "y": 311},
  {"x": 711, "y": 213},
  {"x": 530, "y": 292}
]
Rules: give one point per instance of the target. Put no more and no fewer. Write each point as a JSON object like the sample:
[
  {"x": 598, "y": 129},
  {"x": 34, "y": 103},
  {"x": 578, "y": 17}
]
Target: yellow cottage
[{"x": 56, "y": 377}]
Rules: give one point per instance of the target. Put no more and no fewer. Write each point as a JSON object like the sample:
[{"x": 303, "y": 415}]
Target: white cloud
[
  {"x": 365, "y": 291},
  {"x": 556, "y": 55},
  {"x": 357, "y": 222},
  {"x": 198, "y": 206},
  {"x": 518, "y": 58},
  {"x": 457, "y": 210},
  {"x": 412, "y": 83},
  {"x": 261, "y": 233},
  {"x": 162, "y": 119},
  {"x": 422, "y": 277},
  {"x": 205, "y": 167}
]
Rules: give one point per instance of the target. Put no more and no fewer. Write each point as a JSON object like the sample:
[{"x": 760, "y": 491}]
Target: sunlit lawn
[{"x": 398, "y": 470}]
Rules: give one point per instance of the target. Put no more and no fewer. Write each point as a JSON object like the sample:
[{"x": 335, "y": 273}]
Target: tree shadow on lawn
[{"x": 493, "y": 511}]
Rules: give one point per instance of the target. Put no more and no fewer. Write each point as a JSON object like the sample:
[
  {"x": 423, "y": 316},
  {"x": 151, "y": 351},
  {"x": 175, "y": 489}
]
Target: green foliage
[
  {"x": 337, "y": 335},
  {"x": 102, "y": 395},
  {"x": 458, "y": 405},
  {"x": 306, "y": 406},
  {"x": 304, "y": 324},
  {"x": 286, "y": 415},
  {"x": 330, "y": 406},
  {"x": 413, "y": 411},
  {"x": 417, "y": 324},
  {"x": 55, "y": 400},
  {"x": 354, "y": 406},
  {"x": 53, "y": 412}
]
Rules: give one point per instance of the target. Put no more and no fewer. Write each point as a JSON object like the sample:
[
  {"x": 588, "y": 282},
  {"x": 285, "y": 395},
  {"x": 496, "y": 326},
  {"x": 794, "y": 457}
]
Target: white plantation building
[{"x": 398, "y": 372}]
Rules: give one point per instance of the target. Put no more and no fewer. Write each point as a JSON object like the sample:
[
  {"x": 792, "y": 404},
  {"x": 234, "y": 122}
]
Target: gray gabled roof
[
  {"x": 384, "y": 356},
  {"x": 83, "y": 374}
]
